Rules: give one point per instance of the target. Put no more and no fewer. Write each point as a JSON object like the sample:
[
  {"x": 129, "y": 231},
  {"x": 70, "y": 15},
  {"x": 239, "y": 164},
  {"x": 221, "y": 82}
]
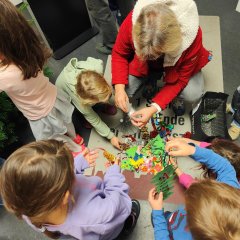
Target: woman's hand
[
  {"x": 121, "y": 97},
  {"x": 90, "y": 156},
  {"x": 140, "y": 118},
  {"x": 115, "y": 142},
  {"x": 155, "y": 199},
  {"x": 179, "y": 147}
]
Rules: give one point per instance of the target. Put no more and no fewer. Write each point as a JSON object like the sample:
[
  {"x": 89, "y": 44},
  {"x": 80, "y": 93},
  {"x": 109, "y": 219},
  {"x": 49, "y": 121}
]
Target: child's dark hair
[
  {"x": 19, "y": 44},
  {"x": 227, "y": 149},
  {"x": 35, "y": 179},
  {"x": 213, "y": 210}
]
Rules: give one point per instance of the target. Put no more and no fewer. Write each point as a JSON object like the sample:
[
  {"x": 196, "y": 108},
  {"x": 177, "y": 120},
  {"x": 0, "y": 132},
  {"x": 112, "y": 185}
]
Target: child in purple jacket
[{"x": 44, "y": 185}]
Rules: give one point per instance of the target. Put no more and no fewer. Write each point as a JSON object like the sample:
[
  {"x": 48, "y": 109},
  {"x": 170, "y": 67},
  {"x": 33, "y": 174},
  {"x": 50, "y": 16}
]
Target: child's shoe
[
  {"x": 234, "y": 132},
  {"x": 108, "y": 109},
  {"x": 178, "y": 106},
  {"x": 131, "y": 221},
  {"x": 78, "y": 139},
  {"x": 103, "y": 49}
]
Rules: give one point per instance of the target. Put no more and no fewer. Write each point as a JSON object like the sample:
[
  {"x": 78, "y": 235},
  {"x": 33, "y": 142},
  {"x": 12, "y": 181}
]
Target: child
[
  {"x": 44, "y": 185},
  {"x": 212, "y": 207},
  {"x": 22, "y": 57},
  {"x": 223, "y": 147},
  {"x": 234, "y": 108},
  {"x": 84, "y": 83},
  {"x": 157, "y": 36}
]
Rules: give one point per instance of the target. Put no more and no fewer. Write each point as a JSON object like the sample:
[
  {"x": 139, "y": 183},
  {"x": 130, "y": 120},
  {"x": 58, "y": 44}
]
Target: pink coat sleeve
[
  {"x": 204, "y": 144},
  {"x": 186, "y": 180}
]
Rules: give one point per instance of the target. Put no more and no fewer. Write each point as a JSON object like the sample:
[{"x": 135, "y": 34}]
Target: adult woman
[{"x": 159, "y": 35}]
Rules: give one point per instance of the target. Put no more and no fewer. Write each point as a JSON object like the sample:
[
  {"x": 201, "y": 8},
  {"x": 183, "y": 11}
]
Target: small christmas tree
[{"x": 163, "y": 181}]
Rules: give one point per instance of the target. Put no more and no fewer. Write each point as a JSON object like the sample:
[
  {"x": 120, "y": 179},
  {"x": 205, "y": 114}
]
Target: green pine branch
[
  {"x": 164, "y": 181},
  {"x": 7, "y": 127}
]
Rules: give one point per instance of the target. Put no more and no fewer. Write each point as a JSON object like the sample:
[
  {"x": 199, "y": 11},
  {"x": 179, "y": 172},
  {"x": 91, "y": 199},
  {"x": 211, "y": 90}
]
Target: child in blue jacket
[{"x": 212, "y": 207}]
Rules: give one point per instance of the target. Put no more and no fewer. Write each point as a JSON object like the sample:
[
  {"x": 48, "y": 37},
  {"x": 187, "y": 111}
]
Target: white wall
[
  {"x": 16, "y": 2},
  {"x": 238, "y": 6}
]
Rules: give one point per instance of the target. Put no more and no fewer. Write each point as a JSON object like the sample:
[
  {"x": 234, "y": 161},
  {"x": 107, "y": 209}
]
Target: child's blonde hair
[
  {"x": 35, "y": 179},
  {"x": 213, "y": 211},
  {"x": 156, "y": 31},
  {"x": 92, "y": 88}
]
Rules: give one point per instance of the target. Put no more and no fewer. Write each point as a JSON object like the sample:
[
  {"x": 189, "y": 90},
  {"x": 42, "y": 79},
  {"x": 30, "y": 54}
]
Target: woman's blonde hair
[
  {"x": 156, "y": 31},
  {"x": 213, "y": 211},
  {"x": 35, "y": 179},
  {"x": 92, "y": 88}
]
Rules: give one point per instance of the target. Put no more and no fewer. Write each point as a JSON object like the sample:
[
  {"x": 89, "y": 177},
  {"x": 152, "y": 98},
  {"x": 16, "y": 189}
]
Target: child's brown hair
[
  {"x": 227, "y": 149},
  {"x": 213, "y": 211},
  {"x": 92, "y": 88},
  {"x": 19, "y": 44},
  {"x": 35, "y": 179},
  {"x": 156, "y": 31}
]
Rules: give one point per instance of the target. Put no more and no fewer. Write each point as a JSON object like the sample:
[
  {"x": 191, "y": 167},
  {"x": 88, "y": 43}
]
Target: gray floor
[{"x": 11, "y": 228}]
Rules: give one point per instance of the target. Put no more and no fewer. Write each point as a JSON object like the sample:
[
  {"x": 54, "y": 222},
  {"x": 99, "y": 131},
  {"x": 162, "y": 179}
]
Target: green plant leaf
[{"x": 47, "y": 71}]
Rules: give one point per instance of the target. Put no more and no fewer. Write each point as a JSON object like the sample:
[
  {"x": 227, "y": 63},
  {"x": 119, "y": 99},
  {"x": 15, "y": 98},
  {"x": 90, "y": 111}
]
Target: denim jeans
[{"x": 100, "y": 12}]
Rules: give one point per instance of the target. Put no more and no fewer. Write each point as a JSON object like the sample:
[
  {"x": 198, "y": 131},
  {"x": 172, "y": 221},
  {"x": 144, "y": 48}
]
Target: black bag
[{"x": 209, "y": 121}]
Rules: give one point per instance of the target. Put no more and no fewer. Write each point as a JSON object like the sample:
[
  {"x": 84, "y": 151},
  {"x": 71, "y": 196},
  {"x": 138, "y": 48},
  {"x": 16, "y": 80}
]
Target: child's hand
[
  {"x": 187, "y": 140},
  {"x": 173, "y": 162},
  {"x": 90, "y": 156},
  {"x": 178, "y": 147},
  {"x": 115, "y": 142},
  {"x": 178, "y": 171},
  {"x": 155, "y": 199},
  {"x": 108, "y": 164}
]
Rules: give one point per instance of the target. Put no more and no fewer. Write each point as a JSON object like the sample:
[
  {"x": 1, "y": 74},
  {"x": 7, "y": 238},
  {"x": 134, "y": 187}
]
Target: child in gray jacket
[{"x": 86, "y": 76}]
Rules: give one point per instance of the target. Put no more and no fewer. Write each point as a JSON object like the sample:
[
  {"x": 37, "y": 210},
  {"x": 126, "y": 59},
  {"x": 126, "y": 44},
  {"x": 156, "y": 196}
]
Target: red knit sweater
[{"x": 125, "y": 62}]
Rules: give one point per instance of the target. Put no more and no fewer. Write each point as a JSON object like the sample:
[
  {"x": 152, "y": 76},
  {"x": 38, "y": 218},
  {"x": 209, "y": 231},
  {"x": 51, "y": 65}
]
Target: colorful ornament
[{"x": 109, "y": 156}]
